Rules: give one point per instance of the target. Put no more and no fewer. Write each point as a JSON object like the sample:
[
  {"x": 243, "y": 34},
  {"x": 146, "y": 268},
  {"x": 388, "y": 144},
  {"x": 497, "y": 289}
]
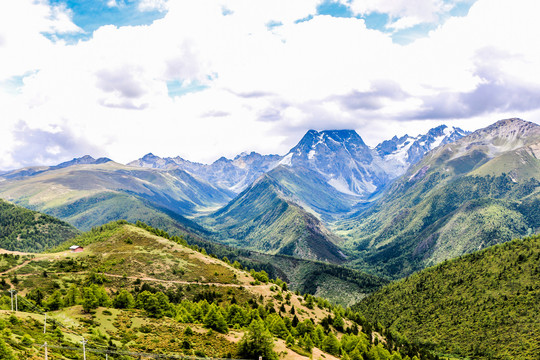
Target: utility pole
[
  {"x": 84, "y": 348},
  {"x": 12, "y": 291},
  {"x": 16, "y": 303},
  {"x": 46, "y": 354},
  {"x": 45, "y": 324}
]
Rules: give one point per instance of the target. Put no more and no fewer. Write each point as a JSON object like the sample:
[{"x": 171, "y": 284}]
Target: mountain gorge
[
  {"x": 457, "y": 200},
  {"x": 262, "y": 218},
  {"x": 330, "y": 198}
]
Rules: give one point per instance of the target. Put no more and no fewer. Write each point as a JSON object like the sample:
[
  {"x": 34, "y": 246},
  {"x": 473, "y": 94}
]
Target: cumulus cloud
[
  {"x": 37, "y": 146},
  {"x": 152, "y": 5},
  {"x": 375, "y": 97},
  {"x": 260, "y": 87}
]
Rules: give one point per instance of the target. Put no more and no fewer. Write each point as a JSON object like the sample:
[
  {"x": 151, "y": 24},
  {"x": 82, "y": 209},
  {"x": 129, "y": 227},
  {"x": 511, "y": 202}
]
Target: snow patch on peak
[
  {"x": 400, "y": 155},
  {"x": 447, "y": 131},
  {"x": 436, "y": 142},
  {"x": 287, "y": 160}
]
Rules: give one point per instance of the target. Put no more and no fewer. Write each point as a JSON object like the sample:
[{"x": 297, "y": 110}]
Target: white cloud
[
  {"x": 152, "y": 5},
  {"x": 423, "y": 10},
  {"x": 264, "y": 87}
]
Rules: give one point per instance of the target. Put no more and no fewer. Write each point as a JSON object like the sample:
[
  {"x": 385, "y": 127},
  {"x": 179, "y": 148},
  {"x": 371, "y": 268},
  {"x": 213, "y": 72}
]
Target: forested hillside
[
  {"x": 25, "y": 230},
  {"x": 484, "y": 305},
  {"x": 263, "y": 218},
  {"x": 168, "y": 299}
]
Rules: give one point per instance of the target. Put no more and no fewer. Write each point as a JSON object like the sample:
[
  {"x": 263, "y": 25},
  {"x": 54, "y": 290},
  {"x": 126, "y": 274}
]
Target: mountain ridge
[
  {"x": 444, "y": 202},
  {"x": 262, "y": 218}
]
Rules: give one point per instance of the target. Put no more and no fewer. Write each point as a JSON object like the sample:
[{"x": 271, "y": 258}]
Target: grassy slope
[
  {"x": 158, "y": 262},
  {"x": 306, "y": 276},
  {"x": 483, "y": 305},
  {"x": 261, "y": 218},
  {"x": 75, "y": 191},
  {"x": 25, "y": 230},
  {"x": 126, "y": 257}
]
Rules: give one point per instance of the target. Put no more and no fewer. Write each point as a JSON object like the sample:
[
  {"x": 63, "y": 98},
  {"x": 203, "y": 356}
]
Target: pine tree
[
  {"x": 295, "y": 321},
  {"x": 278, "y": 327},
  {"x": 290, "y": 341},
  {"x": 72, "y": 296},
  {"x": 308, "y": 343},
  {"x": 5, "y": 351},
  {"x": 318, "y": 336},
  {"x": 339, "y": 324},
  {"x": 256, "y": 342},
  {"x": 355, "y": 355},
  {"x": 124, "y": 300},
  {"x": 331, "y": 344},
  {"x": 54, "y": 302},
  {"x": 215, "y": 320}
]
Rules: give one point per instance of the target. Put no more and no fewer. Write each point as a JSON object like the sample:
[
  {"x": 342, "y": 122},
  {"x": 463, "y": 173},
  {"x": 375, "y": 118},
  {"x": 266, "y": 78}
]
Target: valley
[{"x": 331, "y": 230}]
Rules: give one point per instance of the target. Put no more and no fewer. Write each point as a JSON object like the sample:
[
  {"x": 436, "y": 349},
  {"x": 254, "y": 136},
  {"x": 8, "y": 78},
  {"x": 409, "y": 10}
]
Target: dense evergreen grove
[
  {"x": 343, "y": 333},
  {"x": 25, "y": 230},
  {"x": 484, "y": 305},
  {"x": 260, "y": 321}
]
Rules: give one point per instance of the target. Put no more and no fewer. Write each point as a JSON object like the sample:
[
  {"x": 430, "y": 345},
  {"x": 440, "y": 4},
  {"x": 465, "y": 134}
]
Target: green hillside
[
  {"x": 93, "y": 194},
  {"x": 484, "y": 305},
  {"x": 262, "y": 218},
  {"x": 132, "y": 293},
  {"x": 336, "y": 283},
  {"x": 457, "y": 200},
  {"x": 25, "y": 230},
  {"x": 307, "y": 188}
]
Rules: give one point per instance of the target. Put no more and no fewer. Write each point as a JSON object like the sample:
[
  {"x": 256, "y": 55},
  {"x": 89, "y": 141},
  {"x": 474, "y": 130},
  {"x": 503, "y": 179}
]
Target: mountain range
[
  {"x": 339, "y": 157},
  {"x": 480, "y": 190},
  {"x": 333, "y": 217},
  {"x": 401, "y": 206}
]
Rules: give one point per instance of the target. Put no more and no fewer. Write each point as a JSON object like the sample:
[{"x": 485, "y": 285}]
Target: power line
[
  {"x": 131, "y": 353},
  {"x": 106, "y": 350}
]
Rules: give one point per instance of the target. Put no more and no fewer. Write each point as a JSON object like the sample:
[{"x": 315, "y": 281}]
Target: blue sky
[
  {"x": 205, "y": 79},
  {"x": 89, "y": 15}
]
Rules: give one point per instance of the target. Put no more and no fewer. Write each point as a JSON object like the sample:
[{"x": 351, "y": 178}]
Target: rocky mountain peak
[
  {"x": 408, "y": 150},
  {"x": 83, "y": 160},
  {"x": 510, "y": 128},
  {"x": 321, "y": 144}
]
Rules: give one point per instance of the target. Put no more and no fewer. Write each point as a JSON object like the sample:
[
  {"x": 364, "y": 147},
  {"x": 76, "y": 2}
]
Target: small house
[{"x": 76, "y": 248}]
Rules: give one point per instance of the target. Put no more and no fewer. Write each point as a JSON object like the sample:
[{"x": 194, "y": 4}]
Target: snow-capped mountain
[
  {"x": 400, "y": 153},
  {"x": 350, "y": 166},
  {"x": 233, "y": 174},
  {"x": 340, "y": 157},
  {"x": 343, "y": 160}
]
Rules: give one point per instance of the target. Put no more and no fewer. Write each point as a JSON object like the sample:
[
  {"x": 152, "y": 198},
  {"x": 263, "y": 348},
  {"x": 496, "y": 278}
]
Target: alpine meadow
[{"x": 269, "y": 180}]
